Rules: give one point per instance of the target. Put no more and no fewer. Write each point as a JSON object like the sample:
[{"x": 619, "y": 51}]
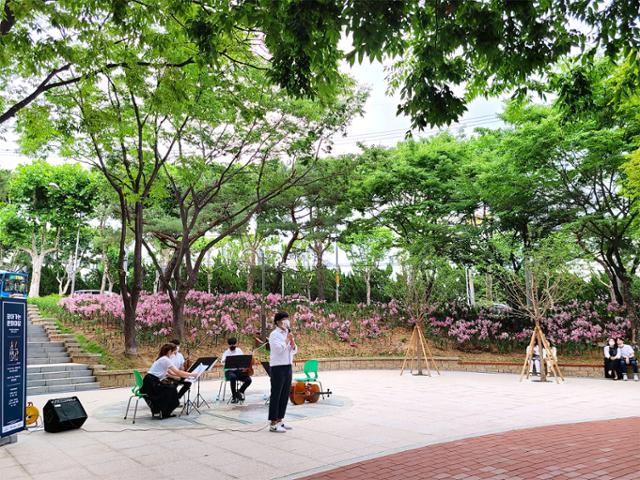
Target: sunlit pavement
[{"x": 371, "y": 414}]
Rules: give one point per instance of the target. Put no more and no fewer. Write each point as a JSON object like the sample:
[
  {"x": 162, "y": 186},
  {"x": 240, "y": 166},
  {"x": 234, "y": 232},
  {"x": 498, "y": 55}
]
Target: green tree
[
  {"x": 366, "y": 248},
  {"x": 46, "y": 202},
  {"x": 238, "y": 165}
]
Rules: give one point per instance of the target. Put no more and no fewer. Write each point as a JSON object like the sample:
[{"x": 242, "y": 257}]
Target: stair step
[
  {"x": 47, "y": 358},
  {"x": 37, "y": 352},
  {"x": 49, "y": 382},
  {"x": 42, "y": 361},
  {"x": 45, "y": 343},
  {"x": 54, "y": 375},
  {"x": 64, "y": 367},
  {"x": 48, "y": 347},
  {"x": 62, "y": 388},
  {"x": 45, "y": 348}
]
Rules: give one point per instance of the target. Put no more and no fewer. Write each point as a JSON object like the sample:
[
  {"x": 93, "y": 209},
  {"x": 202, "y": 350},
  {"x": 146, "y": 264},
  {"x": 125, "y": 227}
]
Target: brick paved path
[{"x": 599, "y": 450}]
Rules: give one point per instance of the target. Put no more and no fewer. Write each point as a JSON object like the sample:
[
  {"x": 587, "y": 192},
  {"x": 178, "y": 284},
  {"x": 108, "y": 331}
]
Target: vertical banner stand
[{"x": 13, "y": 377}]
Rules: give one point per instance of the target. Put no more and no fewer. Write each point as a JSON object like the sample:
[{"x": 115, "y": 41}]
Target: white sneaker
[
  {"x": 624, "y": 377},
  {"x": 635, "y": 378},
  {"x": 277, "y": 429},
  {"x": 285, "y": 426}
]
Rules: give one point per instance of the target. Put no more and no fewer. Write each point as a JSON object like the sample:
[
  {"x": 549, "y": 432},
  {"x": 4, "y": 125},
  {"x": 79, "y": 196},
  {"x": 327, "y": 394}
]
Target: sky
[{"x": 381, "y": 126}]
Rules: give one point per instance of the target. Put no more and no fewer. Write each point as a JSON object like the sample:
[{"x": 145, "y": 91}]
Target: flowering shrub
[
  {"x": 209, "y": 315},
  {"x": 574, "y": 326}
]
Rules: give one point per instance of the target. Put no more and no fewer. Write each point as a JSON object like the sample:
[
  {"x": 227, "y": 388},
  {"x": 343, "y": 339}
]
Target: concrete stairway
[{"x": 50, "y": 368}]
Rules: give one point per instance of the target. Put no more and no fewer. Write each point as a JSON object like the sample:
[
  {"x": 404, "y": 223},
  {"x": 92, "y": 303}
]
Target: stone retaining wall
[{"x": 124, "y": 378}]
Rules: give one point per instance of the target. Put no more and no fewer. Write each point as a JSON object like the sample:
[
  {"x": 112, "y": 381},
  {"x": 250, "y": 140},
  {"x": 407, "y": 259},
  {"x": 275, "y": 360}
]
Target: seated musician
[
  {"x": 234, "y": 375},
  {"x": 180, "y": 363},
  {"x": 162, "y": 397}
]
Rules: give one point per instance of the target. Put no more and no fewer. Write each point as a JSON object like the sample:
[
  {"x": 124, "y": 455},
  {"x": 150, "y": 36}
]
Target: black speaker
[{"x": 62, "y": 414}]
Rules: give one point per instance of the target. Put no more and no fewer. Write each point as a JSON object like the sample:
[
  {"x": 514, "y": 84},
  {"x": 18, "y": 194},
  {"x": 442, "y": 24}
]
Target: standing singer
[{"x": 282, "y": 348}]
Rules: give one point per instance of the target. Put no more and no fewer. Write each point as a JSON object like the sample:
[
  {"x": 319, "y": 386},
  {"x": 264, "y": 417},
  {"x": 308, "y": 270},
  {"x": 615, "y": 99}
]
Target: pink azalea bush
[
  {"x": 575, "y": 326},
  {"x": 214, "y": 315}
]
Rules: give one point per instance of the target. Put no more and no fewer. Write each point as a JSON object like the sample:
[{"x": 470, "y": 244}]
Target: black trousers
[
  {"x": 611, "y": 366},
  {"x": 162, "y": 398},
  {"x": 185, "y": 387},
  {"x": 234, "y": 377},
  {"x": 280, "y": 389}
]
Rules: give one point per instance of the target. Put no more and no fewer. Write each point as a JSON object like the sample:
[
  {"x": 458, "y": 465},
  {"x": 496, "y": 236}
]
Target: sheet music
[{"x": 196, "y": 373}]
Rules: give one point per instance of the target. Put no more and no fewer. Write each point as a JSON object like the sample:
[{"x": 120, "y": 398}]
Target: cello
[{"x": 306, "y": 392}]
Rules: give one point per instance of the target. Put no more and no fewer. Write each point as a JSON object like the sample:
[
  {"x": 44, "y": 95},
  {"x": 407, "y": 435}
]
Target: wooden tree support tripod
[
  {"x": 418, "y": 349},
  {"x": 550, "y": 359}
]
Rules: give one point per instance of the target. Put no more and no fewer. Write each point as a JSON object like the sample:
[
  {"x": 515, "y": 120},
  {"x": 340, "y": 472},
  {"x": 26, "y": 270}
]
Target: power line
[
  {"x": 484, "y": 117},
  {"x": 391, "y": 135}
]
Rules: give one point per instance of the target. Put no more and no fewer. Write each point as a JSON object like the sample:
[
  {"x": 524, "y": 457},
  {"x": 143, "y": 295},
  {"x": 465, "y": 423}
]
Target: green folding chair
[
  {"x": 137, "y": 394},
  {"x": 310, "y": 369}
]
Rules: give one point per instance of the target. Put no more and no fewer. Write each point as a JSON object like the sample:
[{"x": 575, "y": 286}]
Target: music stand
[
  {"x": 237, "y": 362},
  {"x": 189, "y": 404},
  {"x": 209, "y": 362}
]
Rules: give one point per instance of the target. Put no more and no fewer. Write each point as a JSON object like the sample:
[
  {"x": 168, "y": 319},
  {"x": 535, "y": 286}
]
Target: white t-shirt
[
  {"x": 625, "y": 351},
  {"x": 160, "y": 367},
  {"x": 230, "y": 353},
  {"x": 178, "y": 361},
  {"x": 281, "y": 353}
]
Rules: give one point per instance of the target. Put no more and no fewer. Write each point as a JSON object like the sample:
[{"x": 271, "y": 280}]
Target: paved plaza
[
  {"x": 372, "y": 414},
  {"x": 587, "y": 450}
]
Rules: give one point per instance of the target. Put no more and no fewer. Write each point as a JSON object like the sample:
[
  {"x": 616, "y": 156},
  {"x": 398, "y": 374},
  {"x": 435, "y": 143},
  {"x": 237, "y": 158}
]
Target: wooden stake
[
  {"x": 538, "y": 335},
  {"x": 418, "y": 343}
]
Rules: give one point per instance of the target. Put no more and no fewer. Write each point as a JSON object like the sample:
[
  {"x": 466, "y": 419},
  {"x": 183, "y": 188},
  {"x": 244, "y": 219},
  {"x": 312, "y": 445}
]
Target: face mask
[
  {"x": 232, "y": 347},
  {"x": 612, "y": 343},
  {"x": 286, "y": 324},
  {"x": 177, "y": 349}
]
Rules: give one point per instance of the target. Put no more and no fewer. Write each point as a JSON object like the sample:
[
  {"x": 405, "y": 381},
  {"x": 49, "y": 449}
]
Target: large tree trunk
[
  {"x": 250, "y": 274},
  {"x": 37, "y": 260},
  {"x": 131, "y": 296},
  {"x": 177, "y": 308},
  {"x": 630, "y": 304},
  {"x": 319, "y": 250},
  {"x": 105, "y": 272},
  {"x": 130, "y": 344}
]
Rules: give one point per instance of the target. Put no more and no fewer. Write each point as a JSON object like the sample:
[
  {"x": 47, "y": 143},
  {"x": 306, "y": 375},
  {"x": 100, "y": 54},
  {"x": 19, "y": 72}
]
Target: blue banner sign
[{"x": 13, "y": 377}]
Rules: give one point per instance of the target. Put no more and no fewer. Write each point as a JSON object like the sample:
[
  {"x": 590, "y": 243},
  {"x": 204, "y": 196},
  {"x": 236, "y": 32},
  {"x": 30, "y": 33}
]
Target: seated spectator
[
  {"x": 611, "y": 360},
  {"x": 627, "y": 357},
  {"x": 534, "y": 366}
]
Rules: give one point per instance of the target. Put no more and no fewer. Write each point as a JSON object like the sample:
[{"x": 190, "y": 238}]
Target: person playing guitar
[{"x": 234, "y": 376}]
